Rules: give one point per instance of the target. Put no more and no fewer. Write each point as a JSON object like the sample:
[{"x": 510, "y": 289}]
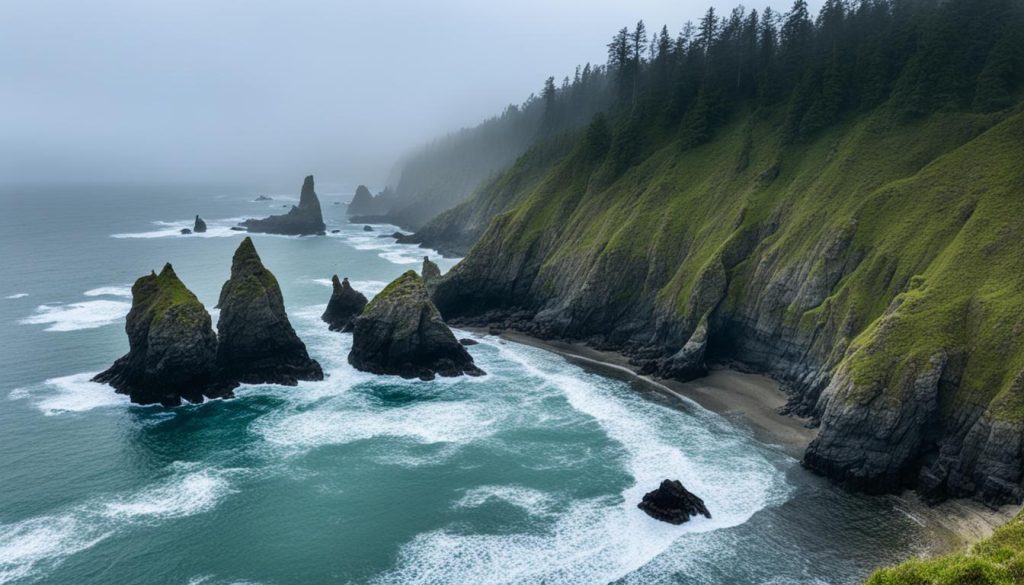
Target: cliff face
[
  {"x": 876, "y": 271},
  {"x": 172, "y": 347},
  {"x": 257, "y": 342},
  {"x": 305, "y": 219}
]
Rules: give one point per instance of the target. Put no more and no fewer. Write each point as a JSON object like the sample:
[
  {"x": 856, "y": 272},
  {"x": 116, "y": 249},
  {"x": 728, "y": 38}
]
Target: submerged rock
[
  {"x": 200, "y": 225},
  {"x": 345, "y": 305},
  {"x": 305, "y": 219},
  {"x": 172, "y": 347},
  {"x": 185, "y": 231},
  {"x": 672, "y": 503},
  {"x": 367, "y": 228},
  {"x": 263, "y": 198},
  {"x": 257, "y": 342},
  {"x": 467, "y": 341},
  {"x": 401, "y": 332}
]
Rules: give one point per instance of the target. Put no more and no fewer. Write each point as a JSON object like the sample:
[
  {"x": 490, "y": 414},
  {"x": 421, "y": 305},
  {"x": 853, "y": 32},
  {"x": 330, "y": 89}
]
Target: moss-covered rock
[
  {"x": 172, "y": 351},
  {"x": 303, "y": 220},
  {"x": 345, "y": 305},
  {"x": 257, "y": 342},
  {"x": 401, "y": 332}
]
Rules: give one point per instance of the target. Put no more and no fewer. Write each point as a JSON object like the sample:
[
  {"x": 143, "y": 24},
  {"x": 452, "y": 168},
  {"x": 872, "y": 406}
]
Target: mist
[{"x": 265, "y": 92}]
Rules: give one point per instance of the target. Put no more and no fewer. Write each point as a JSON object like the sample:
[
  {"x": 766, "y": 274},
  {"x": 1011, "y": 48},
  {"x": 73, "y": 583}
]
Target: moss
[
  {"x": 408, "y": 283},
  {"x": 995, "y": 560}
]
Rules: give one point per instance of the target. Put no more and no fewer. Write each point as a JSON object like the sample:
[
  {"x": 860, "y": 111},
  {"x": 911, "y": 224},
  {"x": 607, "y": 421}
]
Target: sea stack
[
  {"x": 345, "y": 305},
  {"x": 430, "y": 273},
  {"x": 172, "y": 351},
  {"x": 673, "y": 503},
  {"x": 304, "y": 220},
  {"x": 200, "y": 226},
  {"x": 401, "y": 332},
  {"x": 362, "y": 202},
  {"x": 257, "y": 342}
]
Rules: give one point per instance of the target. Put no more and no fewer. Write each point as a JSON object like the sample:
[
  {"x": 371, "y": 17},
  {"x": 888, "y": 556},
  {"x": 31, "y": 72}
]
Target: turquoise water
[{"x": 530, "y": 474}]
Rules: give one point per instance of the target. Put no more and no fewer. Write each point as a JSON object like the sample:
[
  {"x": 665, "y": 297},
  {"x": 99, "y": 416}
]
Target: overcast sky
[{"x": 264, "y": 92}]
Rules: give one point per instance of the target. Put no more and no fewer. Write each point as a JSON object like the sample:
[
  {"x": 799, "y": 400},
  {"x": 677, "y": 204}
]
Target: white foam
[
  {"x": 110, "y": 291},
  {"x": 76, "y": 316},
  {"x": 37, "y": 545},
  {"x": 606, "y": 538},
  {"x": 75, "y": 393},
  {"x": 535, "y": 502},
  {"x": 17, "y": 296},
  {"x": 421, "y": 422}
]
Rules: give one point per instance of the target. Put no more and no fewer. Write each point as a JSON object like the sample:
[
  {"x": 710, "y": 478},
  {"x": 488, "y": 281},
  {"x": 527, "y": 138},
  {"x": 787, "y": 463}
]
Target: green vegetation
[{"x": 997, "y": 560}]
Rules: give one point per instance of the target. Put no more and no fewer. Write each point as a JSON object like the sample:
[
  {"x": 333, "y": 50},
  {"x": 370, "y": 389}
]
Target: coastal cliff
[{"x": 873, "y": 271}]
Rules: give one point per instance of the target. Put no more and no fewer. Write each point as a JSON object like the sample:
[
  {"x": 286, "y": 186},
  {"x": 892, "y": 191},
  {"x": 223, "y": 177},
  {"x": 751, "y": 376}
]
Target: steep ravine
[{"x": 876, "y": 272}]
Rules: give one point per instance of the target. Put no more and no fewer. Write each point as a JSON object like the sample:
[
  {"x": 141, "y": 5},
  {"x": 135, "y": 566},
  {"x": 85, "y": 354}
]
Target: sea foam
[
  {"x": 77, "y": 316},
  {"x": 75, "y": 393}
]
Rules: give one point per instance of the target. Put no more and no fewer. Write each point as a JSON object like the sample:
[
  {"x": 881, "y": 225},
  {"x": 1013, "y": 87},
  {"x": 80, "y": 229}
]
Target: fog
[{"x": 265, "y": 92}]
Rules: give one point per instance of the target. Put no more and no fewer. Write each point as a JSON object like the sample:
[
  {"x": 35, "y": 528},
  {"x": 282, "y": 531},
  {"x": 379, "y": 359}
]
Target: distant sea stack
[
  {"x": 431, "y": 273},
  {"x": 401, "y": 333},
  {"x": 362, "y": 202},
  {"x": 304, "y": 220},
  {"x": 172, "y": 351},
  {"x": 200, "y": 226},
  {"x": 345, "y": 305},
  {"x": 257, "y": 342}
]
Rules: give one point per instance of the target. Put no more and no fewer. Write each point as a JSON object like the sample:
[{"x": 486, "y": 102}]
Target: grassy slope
[{"x": 996, "y": 560}]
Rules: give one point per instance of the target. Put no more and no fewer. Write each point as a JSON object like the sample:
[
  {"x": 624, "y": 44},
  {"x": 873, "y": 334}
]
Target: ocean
[{"x": 530, "y": 474}]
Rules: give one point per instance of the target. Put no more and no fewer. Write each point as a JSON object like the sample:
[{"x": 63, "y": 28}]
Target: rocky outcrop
[
  {"x": 362, "y": 203},
  {"x": 257, "y": 342},
  {"x": 302, "y": 220},
  {"x": 672, "y": 503},
  {"x": 430, "y": 274},
  {"x": 401, "y": 333},
  {"x": 345, "y": 305},
  {"x": 200, "y": 226},
  {"x": 172, "y": 351},
  {"x": 367, "y": 228}
]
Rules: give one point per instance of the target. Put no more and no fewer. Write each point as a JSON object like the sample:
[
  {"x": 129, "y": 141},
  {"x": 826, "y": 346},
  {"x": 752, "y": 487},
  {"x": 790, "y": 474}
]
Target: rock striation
[
  {"x": 172, "y": 351},
  {"x": 401, "y": 333},
  {"x": 673, "y": 503},
  {"x": 303, "y": 220},
  {"x": 200, "y": 226},
  {"x": 257, "y": 342},
  {"x": 345, "y": 305}
]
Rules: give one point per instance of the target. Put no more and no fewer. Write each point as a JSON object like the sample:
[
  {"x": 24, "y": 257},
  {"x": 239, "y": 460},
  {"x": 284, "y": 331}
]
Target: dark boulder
[
  {"x": 367, "y": 228},
  {"x": 257, "y": 342},
  {"x": 401, "y": 332},
  {"x": 672, "y": 503},
  {"x": 467, "y": 341},
  {"x": 345, "y": 305},
  {"x": 185, "y": 231},
  {"x": 172, "y": 351},
  {"x": 200, "y": 225},
  {"x": 305, "y": 219}
]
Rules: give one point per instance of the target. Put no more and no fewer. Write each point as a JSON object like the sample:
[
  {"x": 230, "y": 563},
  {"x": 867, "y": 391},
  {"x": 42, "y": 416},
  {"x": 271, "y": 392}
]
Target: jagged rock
[
  {"x": 467, "y": 341},
  {"x": 431, "y": 273},
  {"x": 263, "y": 198},
  {"x": 200, "y": 226},
  {"x": 305, "y": 219},
  {"x": 672, "y": 503},
  {"x": 257, "y": 342},
  {"x": 362, "y": 202},
  {"x": 401, "y": 332},
  {"x": 345, "y": 305},
  {"x": 172, "y": 347},
  {"x": 185, "y": 231}
]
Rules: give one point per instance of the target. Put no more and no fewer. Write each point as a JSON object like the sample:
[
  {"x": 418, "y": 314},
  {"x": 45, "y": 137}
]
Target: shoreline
[{"x": 751, "y": 401}]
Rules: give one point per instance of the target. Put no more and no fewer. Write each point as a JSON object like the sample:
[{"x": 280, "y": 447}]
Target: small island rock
[
  {"x": 257, "y": 342},
  {"x": 367, "y": 228},
  {"x": 672, "y": 503},
  {"x": 185, "y": 231},
  {"x": 305, "y": 219},
  {"x": 401, "y": 332},
  {"x": 345, "y": 305},
  {"x": 172, "y": 351},
  {"x": 200, "y": 226}
]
